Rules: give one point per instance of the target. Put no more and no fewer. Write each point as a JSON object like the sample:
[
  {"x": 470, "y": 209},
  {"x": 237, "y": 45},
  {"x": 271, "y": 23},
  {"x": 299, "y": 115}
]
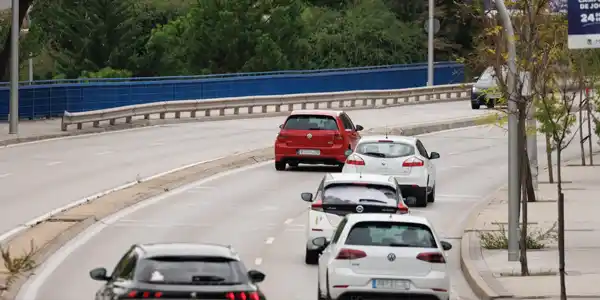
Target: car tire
[
  {"x": 490, "y": 103},
  {"x": 422, "y": 200},
  {"x": 311, "y": 257},
  {"x": 279, "y": 166},
  {"x": 475, "y": 105},
  {"x": 340, "y": 167},
  {"x": 431, "y": 196}
]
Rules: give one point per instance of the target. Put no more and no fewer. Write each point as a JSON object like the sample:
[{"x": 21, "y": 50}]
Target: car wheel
[
  {"x": 311, "y": 257},
  {"x": 340, "y": 166},
  {"x": 475, "y": 105},
  {"x": 431, "y": 196},
  {"x": 279, "y": 166},
  {"x": 293, "y": 165},
  {"x": 490, "y": 103},
  {"x": 422, "y": 200}
]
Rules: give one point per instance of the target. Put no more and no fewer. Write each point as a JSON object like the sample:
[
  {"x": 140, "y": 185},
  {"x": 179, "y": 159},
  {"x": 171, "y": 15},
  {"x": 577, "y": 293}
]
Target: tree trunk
[
  {"x": 529, "y": 182},
  {"x": 524, "y": 200},
  {"x": 589, "y": 126},
  {"x": 549, "y": 158},
  {"x": 561, "y": 227},
  {"x": 5, "y": 53},
  {"x": 581, "y": 147}
]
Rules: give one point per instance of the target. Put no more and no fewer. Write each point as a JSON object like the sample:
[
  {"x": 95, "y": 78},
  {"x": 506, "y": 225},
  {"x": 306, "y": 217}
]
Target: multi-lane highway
[
  {"x": 40, "y": 177},
  {"x": 259, "y": 211}
]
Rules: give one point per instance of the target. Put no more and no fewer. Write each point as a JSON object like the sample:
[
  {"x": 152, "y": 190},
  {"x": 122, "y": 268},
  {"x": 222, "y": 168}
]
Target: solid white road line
[
  {"x": 288, "y": 221},
  {"x": 32, "y": 287},
  {"x": 270, "y": 240},
  {"x": 53, "y": 163},
  {"x": 104, "y": 152},
  {"x": 43, "y": 217},
  {"x": 5, "y": 175}
]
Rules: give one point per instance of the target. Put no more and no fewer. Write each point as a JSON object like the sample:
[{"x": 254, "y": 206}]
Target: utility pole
[
  {"x": 13, "y": 127},
  {"x": 513, "y": 135},
  {"x": 430, "y": 44}
]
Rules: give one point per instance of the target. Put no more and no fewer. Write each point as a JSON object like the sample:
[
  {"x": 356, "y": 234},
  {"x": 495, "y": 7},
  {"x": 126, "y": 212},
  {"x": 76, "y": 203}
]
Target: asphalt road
[
  {"x": 259, "y": 212},
  {"x": 40, "y": 177}
]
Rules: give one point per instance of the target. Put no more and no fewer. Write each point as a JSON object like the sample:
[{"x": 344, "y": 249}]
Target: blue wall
[{"x": 51, "y": 98}]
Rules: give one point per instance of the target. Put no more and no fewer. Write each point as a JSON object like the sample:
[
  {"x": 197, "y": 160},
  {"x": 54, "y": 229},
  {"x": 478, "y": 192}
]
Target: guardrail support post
[
  {"x": 221, "y": 111},
  {"x": 96, "y": 124},
  {"x": 250, "y": 109},
  {"x": 112, "y": 121},
  {"x": 79, "y": 126},
  {"x": 264, "y": 109},
  {"x": 373, "y": 102},
  {"x": 236, "y": 110},
  {"x": 207, "y": 112},
  {"x": 128, "y": 119},
  {"x": 303, "y": 105},
  {"x": 352, "y": 103},
  {"x": 147, "y": 117},
  {"x": 329, "y": 104},
  {"x": 162, "y": 116},
  {"x": 316, "y": 105},
  {"x": 278, "y": 108},
  {"x": 63, "y": 126},
  {"x": 177, "y": 115},
  {"x": 193, "y": 114},
  {"x": 290, "y": 106}
]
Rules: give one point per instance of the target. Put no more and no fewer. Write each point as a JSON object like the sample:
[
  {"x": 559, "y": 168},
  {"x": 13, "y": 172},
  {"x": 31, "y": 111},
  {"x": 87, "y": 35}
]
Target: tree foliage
[{"x": 189, "y": 37}]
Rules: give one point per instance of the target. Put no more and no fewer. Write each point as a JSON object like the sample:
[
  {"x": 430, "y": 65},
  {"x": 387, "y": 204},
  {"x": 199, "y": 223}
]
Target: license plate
[
  {"x": 391, "y": 284},
  {"x": 309, "y": 152}
]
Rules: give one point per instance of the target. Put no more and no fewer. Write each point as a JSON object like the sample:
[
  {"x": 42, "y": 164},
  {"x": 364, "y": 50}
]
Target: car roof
[
  {"x": 188, "y": 249},
  {"x": 332, "y": 178},
  {"x": 405, "y": 218},
  {"x": 396, "y": 138},
  {"x": 321, "y": 112}
]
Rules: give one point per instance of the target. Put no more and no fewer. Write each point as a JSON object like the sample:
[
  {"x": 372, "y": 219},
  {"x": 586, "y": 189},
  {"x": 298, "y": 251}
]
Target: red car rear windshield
[{"x": 310, "y": 122}]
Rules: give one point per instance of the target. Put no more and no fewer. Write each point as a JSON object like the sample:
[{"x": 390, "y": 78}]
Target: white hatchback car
[
  {"x": 385, "y": 256},
  {"x": 403, "y": 157},
  {"x": 340, "y": 194}
]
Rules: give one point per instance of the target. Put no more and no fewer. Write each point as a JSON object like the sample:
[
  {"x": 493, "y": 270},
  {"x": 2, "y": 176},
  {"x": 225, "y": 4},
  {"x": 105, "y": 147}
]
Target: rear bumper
[
  {"x": 414, "y": 190},
  {"x": 329, "y": 156},
  {"x": 361, "y": 285}
]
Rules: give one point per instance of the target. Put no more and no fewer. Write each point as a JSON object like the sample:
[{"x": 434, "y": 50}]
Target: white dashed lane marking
[
  {"x": 269, "y": 240},
  {"x": 258, "y": 261},
  {"x": 53, "y": 163},
  {"x": 5, "y": 175},
  {"x": 104, "y": 153}
]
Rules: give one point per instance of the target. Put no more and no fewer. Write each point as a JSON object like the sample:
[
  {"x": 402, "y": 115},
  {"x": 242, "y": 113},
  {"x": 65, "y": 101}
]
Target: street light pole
[
  {"x": 513, "y": 134},
  {"x": 14, "y": 70},
  {"x": 430, "y": 44}
]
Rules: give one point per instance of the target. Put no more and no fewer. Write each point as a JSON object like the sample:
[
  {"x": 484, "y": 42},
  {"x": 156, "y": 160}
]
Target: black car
[{"x": 179, "y": 271}]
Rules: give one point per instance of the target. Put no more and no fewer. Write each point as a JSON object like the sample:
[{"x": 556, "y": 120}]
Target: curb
[
  {"x": 159, "y": 185},
  {"x": 158, "y": 122},
  {"x": 483, "y": 284}
]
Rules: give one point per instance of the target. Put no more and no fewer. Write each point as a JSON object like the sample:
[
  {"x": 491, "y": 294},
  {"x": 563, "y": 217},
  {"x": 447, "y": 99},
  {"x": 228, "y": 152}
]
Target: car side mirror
[
  {"x": 434, "y": 155},
  {"x": 320, "y": 242},
  {"x": 359, "y": 128},
  {"x": 446, "y": 246},
  {"x": 280, "y": 126},
  {"x": 410, "y": 201},
  {"x": 99, "y": 274},
  {"x": 256, "y": 276},
  {"x": 306, "y": 197}
]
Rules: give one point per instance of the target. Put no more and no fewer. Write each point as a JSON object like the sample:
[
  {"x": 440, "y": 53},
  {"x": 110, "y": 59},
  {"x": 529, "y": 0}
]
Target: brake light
[
  {"x": 140, "y": 294},
  {"x": 355, "y": 160},
  {"x": 317, "y": 205},
  {"x": 281, "y": 137},
  {"x": 432, "y": 257},
  {"x": 242, "y": 296},
  {"x": 351, "y": 254},
  {"x": 402, "y": 209},
  {"x": 413, "y": 162}
]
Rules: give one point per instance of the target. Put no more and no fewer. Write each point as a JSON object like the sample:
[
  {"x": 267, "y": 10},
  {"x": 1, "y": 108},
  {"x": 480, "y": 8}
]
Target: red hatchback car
[{"x": 315, "y": 137}]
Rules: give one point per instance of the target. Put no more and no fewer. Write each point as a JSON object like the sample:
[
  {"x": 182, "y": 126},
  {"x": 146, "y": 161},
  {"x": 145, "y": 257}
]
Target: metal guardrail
[{"x": 232, "y": 106}]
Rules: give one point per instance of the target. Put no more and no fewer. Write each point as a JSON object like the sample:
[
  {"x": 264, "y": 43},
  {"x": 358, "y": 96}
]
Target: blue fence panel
[{"x": 47, "y": 98}]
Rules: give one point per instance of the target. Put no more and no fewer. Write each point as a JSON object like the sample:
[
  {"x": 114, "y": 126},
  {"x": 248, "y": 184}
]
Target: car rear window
[
  {"x": 359, "y": 194},
  {"x": 391, "y": 234},
  {"x": 191, "y": 270},
  {"x": 310, "y": 122},
  {"x": 385, "y": 149}
]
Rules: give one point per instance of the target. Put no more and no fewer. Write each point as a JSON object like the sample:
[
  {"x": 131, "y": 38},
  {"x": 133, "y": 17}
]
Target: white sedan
[
  {"x": 383, "y": 256},
  {"x": 403, "y": 157}
]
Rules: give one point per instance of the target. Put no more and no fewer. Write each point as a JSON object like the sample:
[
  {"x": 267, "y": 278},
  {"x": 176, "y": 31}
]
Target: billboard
[{"x": 584, "y": 23}]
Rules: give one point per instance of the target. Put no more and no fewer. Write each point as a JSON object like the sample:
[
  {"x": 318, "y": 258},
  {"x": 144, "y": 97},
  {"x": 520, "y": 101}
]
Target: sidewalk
[{"x": 491, "y": 275}]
